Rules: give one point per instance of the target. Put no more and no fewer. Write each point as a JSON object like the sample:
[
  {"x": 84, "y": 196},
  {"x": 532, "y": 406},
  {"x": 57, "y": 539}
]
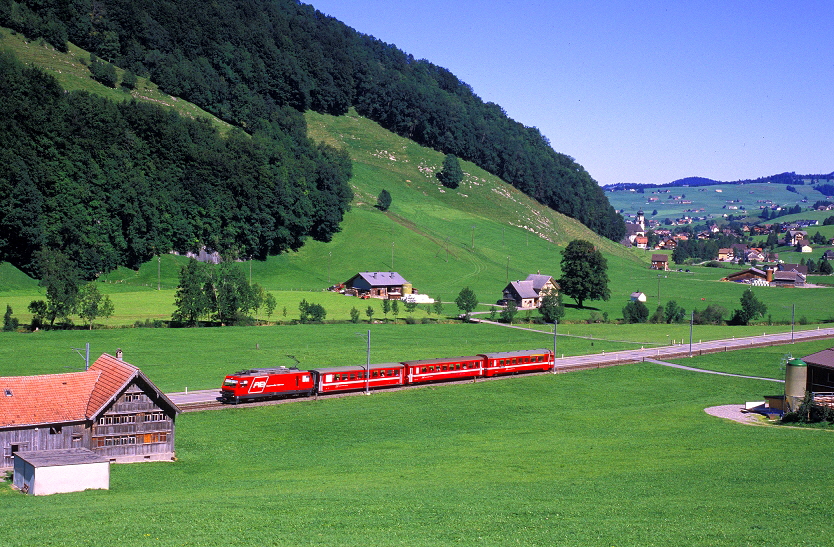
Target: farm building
[
  {"x": 788, "y": 279},
  {"x": 753, "y": 276},
  {"x": 385, "y": 285},
  {"x": 820, "y": 371},
  {"x": 111, "y": 409},
  {"x": 799, "y": 268},
  {"x": 45, "y": 472},
  {"x": 638, "y": 297},
  {"x": 660, "y": 262},
  {"x": 527, "y": 293}
]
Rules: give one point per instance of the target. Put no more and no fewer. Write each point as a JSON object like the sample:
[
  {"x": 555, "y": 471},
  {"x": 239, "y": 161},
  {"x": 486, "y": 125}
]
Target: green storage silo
[{"x": 796, "y": 381}]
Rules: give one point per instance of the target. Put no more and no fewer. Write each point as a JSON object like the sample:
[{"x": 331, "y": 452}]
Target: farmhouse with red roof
[{"x": 112, "y": 409}]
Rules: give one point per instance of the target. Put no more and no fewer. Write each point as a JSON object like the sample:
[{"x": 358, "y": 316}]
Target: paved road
[
  {"x": 705, "y": 371},
  {"x": 620, "y": 357}
]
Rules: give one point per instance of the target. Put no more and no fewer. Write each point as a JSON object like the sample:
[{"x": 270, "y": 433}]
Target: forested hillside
[
  {"x": 109, "y": 184},
  {"x": 246, "y": 60}
]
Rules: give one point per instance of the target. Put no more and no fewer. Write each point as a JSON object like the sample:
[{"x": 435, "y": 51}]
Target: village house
[
  {"x": 659, "y": 262},
  {"x": 527, "y": 294},
  {"x": 112, "y": 409},
  {"x": 725, "y": 254},
  {"x": 385, "y": 285},
  {"x": 793, "y": 237}
]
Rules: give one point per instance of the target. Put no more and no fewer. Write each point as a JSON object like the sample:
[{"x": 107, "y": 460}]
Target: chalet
[
  {"x": 793, "y": 237},
  {"x": 668, "y": 244},
  {"x": 752, "y": 276},
  {"x": 385, "y": 285},
  {"x": 642, "y": 242},
  {"x": 527, "y": 293},
  {"x": 804, "y": 246},
  {"x": 660, "y": 262},
  {"x": 725, "y": 254},
  {"x": 111, "y": 409},
  {"x": 755, "y": 254},
  {"x": 828, "y": 255}
]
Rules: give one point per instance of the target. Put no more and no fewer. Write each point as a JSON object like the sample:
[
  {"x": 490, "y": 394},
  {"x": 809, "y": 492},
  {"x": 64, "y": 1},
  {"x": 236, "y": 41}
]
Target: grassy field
[{"x": 619, "y": 456}]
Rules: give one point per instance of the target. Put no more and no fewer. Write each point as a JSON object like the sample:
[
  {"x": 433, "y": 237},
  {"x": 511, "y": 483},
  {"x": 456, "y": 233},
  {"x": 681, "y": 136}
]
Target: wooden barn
[{"x": 112, "y": 409}]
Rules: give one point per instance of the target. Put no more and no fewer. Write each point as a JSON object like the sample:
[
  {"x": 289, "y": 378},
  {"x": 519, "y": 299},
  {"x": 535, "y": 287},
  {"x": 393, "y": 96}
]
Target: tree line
[
  {"x": 110, "y": 184},
  {"x": 245, "y": 60}
]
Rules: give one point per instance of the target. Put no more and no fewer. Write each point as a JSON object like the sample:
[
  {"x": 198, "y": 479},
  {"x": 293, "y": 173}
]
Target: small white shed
[
  {"x": 44, "y": 472},
  {"x": 638, "y": 297}
]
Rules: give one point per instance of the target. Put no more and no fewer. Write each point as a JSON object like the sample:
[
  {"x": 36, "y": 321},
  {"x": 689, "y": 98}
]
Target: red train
[{"x": 263, "y": 383}]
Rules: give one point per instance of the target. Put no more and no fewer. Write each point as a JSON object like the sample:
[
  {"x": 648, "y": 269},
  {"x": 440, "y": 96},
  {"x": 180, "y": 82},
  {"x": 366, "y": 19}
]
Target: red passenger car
[
  {"x": 352, "y": 378},
  {"x": 448, "y": 368},
  {"x": 262, "y": 383},
  {"x": 513, "y": 362}
]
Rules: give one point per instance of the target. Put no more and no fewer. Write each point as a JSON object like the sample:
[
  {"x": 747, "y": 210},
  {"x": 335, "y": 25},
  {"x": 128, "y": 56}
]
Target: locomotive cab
[{"x": 264, "y": 383}]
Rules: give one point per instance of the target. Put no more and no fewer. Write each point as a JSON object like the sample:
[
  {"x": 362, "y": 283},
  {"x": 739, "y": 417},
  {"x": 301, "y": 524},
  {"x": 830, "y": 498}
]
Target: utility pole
[
  {"x": 555, "y": 324},
  {"x": 691, "y": 322}
]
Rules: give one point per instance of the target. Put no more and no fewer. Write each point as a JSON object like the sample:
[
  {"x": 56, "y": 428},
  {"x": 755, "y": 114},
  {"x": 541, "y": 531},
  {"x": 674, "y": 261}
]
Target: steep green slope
[{"x": 442, "y": 240}]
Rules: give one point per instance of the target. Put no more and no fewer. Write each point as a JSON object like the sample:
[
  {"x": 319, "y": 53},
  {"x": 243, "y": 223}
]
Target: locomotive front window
[{"x": 230, "y": 382}]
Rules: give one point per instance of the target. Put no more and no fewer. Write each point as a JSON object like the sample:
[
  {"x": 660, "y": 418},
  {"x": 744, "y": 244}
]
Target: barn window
[
  {"x": 54, "y": 430},
  {"x": 155, "y": 417}
]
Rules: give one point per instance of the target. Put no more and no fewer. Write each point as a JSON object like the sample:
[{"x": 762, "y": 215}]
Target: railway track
[{"x": 216, "y": 405}]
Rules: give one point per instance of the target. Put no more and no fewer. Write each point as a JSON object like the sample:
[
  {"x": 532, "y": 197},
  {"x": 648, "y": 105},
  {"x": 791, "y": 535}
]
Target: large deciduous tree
[
  {"x": 92, "y": 304},
  {"x": 751, "y": 308},
  {"x": 190, "y": 300},
  {"x": 466, "y": 301},
  {"x": 584, "y": 272}
]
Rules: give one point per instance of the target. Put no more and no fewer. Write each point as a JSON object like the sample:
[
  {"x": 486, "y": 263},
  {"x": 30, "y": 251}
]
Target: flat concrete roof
[{"x": 64, "y": 456}]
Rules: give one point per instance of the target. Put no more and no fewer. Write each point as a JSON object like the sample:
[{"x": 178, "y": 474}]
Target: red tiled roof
[
  {"x": 115, "y": 375},
  {"x": 61, "y": 398},
  {"x": 50, "y": 398}
]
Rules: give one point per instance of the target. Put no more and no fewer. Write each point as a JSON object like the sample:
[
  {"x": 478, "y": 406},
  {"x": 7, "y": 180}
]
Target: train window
[
  {"x": 374, "y": 374},
  {"x": 396, "y": 373},
  {"x": 425, "y": 369},
  {"x": 445, "y": 368},
  {"x": 230, "y": 382},
  {"x": 464, "y": 366},
  {"x": 352, "y": 376}
]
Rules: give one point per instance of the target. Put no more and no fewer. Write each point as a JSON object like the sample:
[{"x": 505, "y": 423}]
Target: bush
[{"x": 635, "y": 312}]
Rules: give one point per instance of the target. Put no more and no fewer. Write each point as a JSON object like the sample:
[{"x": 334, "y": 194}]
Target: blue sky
[{"x": 638, "y": 91}]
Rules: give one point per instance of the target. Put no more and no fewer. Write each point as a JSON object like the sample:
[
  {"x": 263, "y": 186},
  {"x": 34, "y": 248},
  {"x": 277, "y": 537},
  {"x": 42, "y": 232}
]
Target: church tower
[{"x": 641, "y": 221}]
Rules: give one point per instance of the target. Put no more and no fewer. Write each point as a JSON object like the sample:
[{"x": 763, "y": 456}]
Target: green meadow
[{"x": 620, "y": 456}]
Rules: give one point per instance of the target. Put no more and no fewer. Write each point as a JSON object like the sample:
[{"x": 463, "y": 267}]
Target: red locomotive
[{"x": 262, "y": 383}]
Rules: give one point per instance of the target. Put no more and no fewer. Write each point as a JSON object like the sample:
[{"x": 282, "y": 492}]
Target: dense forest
[
  {"x": 110, "y": 184},
  {"x": 246, "y": 60}
]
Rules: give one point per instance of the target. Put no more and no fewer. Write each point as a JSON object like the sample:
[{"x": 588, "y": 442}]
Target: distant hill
[{"x": 782, "y": 178}]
